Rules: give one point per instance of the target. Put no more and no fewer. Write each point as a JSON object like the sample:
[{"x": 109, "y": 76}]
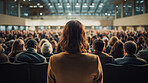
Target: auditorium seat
[
  {"x": 14, "y": 73},
  {"x": 12, "y": 59},
  {"x": 125, "y": 74},
  {"x": 38, "y": 72}
]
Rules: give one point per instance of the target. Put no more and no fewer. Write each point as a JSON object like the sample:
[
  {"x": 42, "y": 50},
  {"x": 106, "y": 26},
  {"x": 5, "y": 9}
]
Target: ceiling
[{"x": 70, "y": 7}]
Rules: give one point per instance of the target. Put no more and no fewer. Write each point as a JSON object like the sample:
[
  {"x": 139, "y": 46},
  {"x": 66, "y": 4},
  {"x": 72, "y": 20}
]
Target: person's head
[
  {"x": 17, "y": 46},
  {"x": 42, "y": 41},
  {"x": 113, "y": 40},
  {"x": 130, "y": 47},
  {"x": 98, "y": 45},
  {"x": 117, "y": 50},
  {"x": 31, "y": 43},
  {"x": 130, "y": 39},
  {"x": 73, "y": 38},
  {"x": 46, "y": 48}
]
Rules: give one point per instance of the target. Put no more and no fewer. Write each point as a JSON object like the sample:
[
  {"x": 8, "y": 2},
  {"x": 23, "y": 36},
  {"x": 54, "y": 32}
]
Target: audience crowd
[{"x": 111, "y": 46}]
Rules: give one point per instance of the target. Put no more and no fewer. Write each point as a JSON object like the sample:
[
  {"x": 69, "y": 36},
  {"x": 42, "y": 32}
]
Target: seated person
[
  {"x": 31, "y": 55},
  {"x": 144, "y": 53},
  {"x": 46, "y": 49},
  {"x": 98, "y": 46},
  {"x": 3, "y": 56},
  {"x": 130, "y": 48}
]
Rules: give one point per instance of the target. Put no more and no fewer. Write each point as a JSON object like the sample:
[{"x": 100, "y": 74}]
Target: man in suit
[
  {"x": 144, "y": 53},
  {"x": 31, "y": 55},
  {"x": 98, "y": 46},
  {"x": 130, "y": 49}
]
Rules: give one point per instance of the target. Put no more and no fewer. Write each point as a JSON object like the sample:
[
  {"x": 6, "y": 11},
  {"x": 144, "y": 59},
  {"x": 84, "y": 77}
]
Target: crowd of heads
[{"x": 73, "y": 39}]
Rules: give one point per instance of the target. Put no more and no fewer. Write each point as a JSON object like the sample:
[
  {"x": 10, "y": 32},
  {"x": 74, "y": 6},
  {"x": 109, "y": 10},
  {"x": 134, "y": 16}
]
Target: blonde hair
[
  {"x": 42, "y": 41},
  {"x": 46, "y": 48}
]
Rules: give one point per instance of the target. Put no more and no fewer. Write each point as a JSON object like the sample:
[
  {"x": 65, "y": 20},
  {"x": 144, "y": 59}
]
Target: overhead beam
[
  {"x": 81, "y": 6},
  {"x": 89, "y": 5},
  {"x": 55, "y": 7},
  {"x": 63, "y": 6},
  {"x": 97, "y": 6}
]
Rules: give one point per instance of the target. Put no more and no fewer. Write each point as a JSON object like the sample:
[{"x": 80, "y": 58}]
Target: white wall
[{"x": 132, "y": 20}]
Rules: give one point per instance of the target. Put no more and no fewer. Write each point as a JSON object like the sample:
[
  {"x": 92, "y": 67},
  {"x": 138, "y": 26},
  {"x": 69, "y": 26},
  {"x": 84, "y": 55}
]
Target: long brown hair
[
  {"x": 17, "y": 46},
  {"x": 73, "y": 38}
]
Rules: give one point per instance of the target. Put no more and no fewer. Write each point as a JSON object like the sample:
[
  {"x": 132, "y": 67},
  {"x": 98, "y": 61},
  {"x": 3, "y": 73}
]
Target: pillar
[
  {"x": 37, "y": 12},
  {"x": 133, "y": 8},
  {"x": 18, "y": 8},
  {"x": 122, "y": 9},
  {"x": 144, "y": 6},
  {"x": 6, "y": 7},
  {"x": 19, "y": 27},
  {"x": 6, "y": 28},
  {"x": 115, "y": 11},
  {"x": 120, "y": 28}
]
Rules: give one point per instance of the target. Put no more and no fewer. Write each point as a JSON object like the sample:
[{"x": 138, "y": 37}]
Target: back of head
[
  {"x": 2, "y": 50},
  {"x": 113, "y": 40},
  {"x": 42, "y": 41},
  {"x": 98, "y": 45},
  {"x": 46, "y": 48},
  {"x": 130, "y": 47},
  {"x": 31, "y": 43},
  {"x": 73, "y": 38},
  {"x": 117, "y": 50},
  {"x": 18, "y": 46}
]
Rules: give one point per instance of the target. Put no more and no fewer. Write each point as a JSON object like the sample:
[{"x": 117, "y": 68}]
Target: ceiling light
[
  {"x": 38, "y": 3},
  {"x": 108, "y": 14},
  {"x": 77, "y": 6},
  {"x": 69, "y": 14},
  {"x": 51, "y": 6},
  {"x": 41, "y": 6},
  {"x": 60, "y": 6},
  {"x": 58, "y": 3},
  {"x": 100, "y": 5},
  {"x": 24, "y": 0},
  {"x": 35, "y": 6},
  {"x": 41, "y": 14},
  {"x": 68, "y": 6},
  {"x": 91, "y": 6},
  {"x": 77, "y": 3},
  {"x": 105, "y": 13},
  {"x": 116, "y": 6},
  {"x": 31, "y": 6},
  {"x": 49, "y": 3},
  {"x": 15, "y": 0},
  {"x": 85, "y": 5},
  {"x": 29, "y": 0}
]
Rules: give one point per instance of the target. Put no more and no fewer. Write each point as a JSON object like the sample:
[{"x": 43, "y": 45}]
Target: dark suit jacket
[
  {"x": 143, "y": 54},
  {"x": 74, "y": 68},
  {"x": 30, "y": 56},
  {"x": 130, "y": 59},
  {"x": 104, "y": 57}
]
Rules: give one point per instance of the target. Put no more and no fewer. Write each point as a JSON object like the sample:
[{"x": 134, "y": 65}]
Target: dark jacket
[
  {"x": 104, "y": 57},
  {"x": 47, "y": 54},
  {"x": 30, "y": 56},
  {"x": 130, "y": 59},
  {"x": 143, "y": 54}
]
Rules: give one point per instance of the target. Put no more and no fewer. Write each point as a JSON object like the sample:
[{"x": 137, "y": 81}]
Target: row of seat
[
  {"x": 37, "y": 73},
  {"x": 23, "y": 73}
]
